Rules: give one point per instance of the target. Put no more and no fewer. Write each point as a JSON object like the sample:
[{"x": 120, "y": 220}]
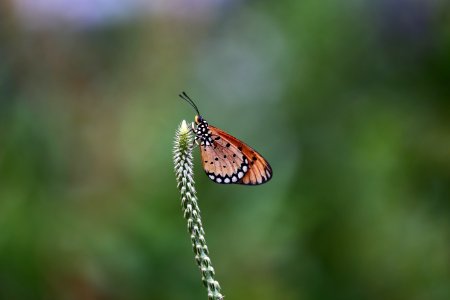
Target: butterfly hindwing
[
  {"x": 222, "y": 161},
  {"x": 230, "y": 160},
  {"x": 259, "y": 169}
]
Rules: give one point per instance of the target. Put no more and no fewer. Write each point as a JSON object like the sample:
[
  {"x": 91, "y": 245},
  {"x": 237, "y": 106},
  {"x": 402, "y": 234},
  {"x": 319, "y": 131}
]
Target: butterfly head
[
  {"x": 202, "y": 132},
  {"x": 199, "y": 119}
]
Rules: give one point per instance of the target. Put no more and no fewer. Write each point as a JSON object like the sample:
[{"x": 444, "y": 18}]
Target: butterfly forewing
[{"x": 229, "y": 160}]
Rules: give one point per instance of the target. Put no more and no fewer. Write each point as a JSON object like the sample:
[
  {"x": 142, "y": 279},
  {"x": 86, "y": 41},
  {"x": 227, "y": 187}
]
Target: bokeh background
[{"x": 348, "y": 100}]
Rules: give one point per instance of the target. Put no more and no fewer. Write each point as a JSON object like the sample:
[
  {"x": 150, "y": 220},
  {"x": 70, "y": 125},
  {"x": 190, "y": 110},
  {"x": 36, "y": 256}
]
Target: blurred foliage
[{"x": 348, "y": 100}]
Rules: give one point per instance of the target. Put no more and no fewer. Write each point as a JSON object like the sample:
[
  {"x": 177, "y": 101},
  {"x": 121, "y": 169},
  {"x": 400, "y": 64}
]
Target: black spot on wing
[{"x": 230, "y": 178}]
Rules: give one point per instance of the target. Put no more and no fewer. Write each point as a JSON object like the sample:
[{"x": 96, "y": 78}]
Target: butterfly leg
[{"x": 195, "y": 142}]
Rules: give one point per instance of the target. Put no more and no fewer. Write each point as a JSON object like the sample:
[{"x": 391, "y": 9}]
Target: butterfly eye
[{"x": 198, "y": 119}]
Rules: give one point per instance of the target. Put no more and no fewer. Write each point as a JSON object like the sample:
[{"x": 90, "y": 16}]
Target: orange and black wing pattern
[{"x": 228, "y": 160}]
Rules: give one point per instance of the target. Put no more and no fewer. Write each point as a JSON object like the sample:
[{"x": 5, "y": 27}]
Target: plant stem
[{"x": 182, "y": 156}]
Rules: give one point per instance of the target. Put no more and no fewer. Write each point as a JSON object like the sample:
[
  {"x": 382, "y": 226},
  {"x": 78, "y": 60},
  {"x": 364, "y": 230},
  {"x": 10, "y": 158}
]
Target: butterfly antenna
[{"x": 185, "y": 97}]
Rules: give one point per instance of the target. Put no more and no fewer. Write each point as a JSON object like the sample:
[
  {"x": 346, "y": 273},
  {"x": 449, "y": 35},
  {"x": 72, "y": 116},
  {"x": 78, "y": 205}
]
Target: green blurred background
[{"x": 348, "y": 100}]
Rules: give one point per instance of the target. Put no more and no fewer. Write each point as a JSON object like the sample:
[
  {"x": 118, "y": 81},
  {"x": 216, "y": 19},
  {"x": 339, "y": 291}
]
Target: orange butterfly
[{"x": 226, "y": 159}]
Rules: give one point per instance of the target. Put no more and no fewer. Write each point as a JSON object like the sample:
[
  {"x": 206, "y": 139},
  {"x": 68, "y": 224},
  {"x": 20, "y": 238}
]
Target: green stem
[{"x": 182, "y": 157}]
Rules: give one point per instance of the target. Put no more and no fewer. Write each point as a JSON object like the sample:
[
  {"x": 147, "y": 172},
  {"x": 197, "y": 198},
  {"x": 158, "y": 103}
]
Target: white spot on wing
[
  {"x": 218, "y": 180},
  {"x": 212, "y": 176},
  {"x": 240, "y": 175},
  {"x": 234, "y": 179},
  {"x": 227, "y": 180}
]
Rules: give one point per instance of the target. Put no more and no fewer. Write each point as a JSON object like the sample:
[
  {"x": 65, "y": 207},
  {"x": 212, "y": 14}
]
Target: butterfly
[{"x": 226, "y": 159}]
